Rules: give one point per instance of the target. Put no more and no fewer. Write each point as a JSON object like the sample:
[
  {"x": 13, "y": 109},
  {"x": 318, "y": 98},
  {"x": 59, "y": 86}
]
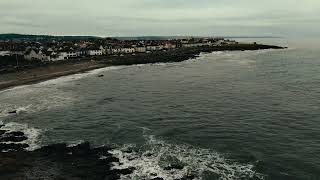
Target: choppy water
[{"x": 252, "y": 114}]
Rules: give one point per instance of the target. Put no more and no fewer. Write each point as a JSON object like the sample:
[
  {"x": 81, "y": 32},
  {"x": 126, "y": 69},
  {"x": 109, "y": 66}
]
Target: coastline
[
  {"x": 55, "y": 70},
  {"x": 85, "y": 161},
  {"x": 41, "y": 74}
]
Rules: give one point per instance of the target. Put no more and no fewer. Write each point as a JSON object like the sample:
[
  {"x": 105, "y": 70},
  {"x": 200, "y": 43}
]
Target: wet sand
[{"x": 47, "y": 72}]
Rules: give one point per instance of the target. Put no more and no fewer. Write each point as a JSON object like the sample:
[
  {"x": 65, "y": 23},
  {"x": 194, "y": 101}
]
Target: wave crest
[{"x": 191, "y": 162}]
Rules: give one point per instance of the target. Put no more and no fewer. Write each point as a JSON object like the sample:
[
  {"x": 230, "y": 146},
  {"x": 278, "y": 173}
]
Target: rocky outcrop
[
  {"x": 13, "y": 112},
  {"x": 12, "y": 141},
  {"x": 180, "y": 54},
  {"x": 78, "y": 162},
  {"x": 57, "y": 161}
]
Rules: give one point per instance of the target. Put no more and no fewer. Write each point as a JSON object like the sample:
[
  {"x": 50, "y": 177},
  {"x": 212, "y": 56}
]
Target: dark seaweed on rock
[{"x": 59, "y": 161}]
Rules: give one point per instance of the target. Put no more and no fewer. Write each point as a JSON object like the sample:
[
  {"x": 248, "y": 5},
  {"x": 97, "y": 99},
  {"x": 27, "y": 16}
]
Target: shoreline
[
  {"x": 56, "y": 70},
  {"x": 44, "y": 77}
]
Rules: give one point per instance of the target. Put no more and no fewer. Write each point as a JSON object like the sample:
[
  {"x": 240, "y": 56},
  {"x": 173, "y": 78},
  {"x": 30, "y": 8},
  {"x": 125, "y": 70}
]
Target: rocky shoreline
[
  {"x": 57, "y": 161},
  {"x": 58, "y": 69},
  {"x": 182, "y": 54},
  {"x": 60, "y": 161},
  {"x": 82, "y": 161}
]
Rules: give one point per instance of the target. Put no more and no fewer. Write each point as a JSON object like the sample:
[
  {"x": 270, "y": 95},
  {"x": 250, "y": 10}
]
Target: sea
[{"x": 223, "y": 115}]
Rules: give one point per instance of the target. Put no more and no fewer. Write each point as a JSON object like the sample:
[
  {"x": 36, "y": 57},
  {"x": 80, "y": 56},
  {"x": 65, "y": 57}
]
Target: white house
[
  {"x": 97, "y": 52},
  {"x": 122, "y": 50},
  {"x": 72, "y": 54},
  {"x": 59, "y": 56},
  {"x": 127, "y": 50},
  {"x": 92, "y": 51},
  {"x": 64, "y": 54},
  {"x": 155, "y": 48},
  {"x": 32, "y": 54},
  {"x": 140, "y": 49},
  {"x": 115, "y": 50},
  {"x": 104, "y": 51},
  {"x": 169, "y": 45},
  {"x": 4, "y": 53}
]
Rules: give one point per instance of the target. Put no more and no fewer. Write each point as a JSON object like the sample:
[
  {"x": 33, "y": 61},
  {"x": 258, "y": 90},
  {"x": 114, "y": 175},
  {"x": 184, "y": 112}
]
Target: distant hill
[
  {"x": 49, "y": 37},
  {"x": 152, "y": 37},
  {"x": 42, "y": 37}
]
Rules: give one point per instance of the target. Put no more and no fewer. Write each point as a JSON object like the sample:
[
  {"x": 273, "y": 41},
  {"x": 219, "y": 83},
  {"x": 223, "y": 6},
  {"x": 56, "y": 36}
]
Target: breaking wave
[
  {"x": 160, "y": 159},
  {"x": 73, "y": 77},
  {"x": 31, "y": 133}
]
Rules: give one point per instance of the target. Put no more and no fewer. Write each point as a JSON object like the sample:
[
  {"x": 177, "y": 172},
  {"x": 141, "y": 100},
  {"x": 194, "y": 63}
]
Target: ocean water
[{"x": 227, "y": 115}]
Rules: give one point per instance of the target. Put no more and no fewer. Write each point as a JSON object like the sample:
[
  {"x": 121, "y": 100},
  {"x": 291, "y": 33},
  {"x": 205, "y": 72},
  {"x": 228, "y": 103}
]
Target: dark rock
[
  {"x": 107, "y": 100},
  {"x": 1, "y": 125},
  {"x": 261, "y": 166},
  {"x": 157, "y": 178},
  {"x": 55, "y": 148},
  {"x": 78, "y": 162},
  {"x": 81, "y": 149},
  {"x": 173, "y": 166},
  {"x": 15, "y": 133},
  {"x": 181, "y": 54},
  {"x": 13, "y": 112},
  {"x": 13, "y": 147},
  {"x": 15, "y": 136},
  {"x": 2, "y": 132},
  {"x": 124, "y": 171},
  {"x": 148, "y": 154},
  {"x": 101, "y": 75},
  {"x": 153, "y": 174},
  {"x": 111, "y": 159},
  {"x": 12, "y": 138},
  {"x": 102, "y": 151}
]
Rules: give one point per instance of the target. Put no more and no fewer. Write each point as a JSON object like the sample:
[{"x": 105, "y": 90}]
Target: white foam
[
  {"x": 74, "y": 77},
  {"x": 63, "y": 79},
  {"x": 38, "y": 103},
  {"x": 196, "y": 160},
  {"x": 6, "y": 108},
  {"x": 31, "y": 133},
  {"x": 75, "y": 143},
  {"x": 14, "y": 88}
]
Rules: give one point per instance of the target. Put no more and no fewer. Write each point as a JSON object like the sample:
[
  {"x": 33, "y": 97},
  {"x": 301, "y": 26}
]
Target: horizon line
[{"x": 135, "y": 36}]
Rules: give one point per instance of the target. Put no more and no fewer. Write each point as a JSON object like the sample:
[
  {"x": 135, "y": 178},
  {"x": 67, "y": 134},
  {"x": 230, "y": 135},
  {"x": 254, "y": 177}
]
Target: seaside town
[
  {"x": 27, "y": 59},
  {"x": 59, "y": 50}
]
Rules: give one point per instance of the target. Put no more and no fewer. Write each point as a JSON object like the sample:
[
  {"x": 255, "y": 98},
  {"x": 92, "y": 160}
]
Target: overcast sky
[{"x": 161, "y": 17}]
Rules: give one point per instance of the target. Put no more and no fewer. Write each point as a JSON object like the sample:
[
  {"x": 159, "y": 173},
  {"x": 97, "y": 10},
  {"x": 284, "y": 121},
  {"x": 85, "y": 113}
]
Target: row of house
[
  {"x": 57, "y": 51},
  {"x": 49, "y": 54},
  {"x": 70, "y": 53}
]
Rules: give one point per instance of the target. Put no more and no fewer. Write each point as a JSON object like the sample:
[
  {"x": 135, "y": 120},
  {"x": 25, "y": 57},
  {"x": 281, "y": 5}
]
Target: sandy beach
[{"x": 46, "y": 72}]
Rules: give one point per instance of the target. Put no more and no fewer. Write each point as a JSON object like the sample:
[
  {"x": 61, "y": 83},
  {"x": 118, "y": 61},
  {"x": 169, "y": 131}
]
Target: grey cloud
[{"x": 160, "y": 17}]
